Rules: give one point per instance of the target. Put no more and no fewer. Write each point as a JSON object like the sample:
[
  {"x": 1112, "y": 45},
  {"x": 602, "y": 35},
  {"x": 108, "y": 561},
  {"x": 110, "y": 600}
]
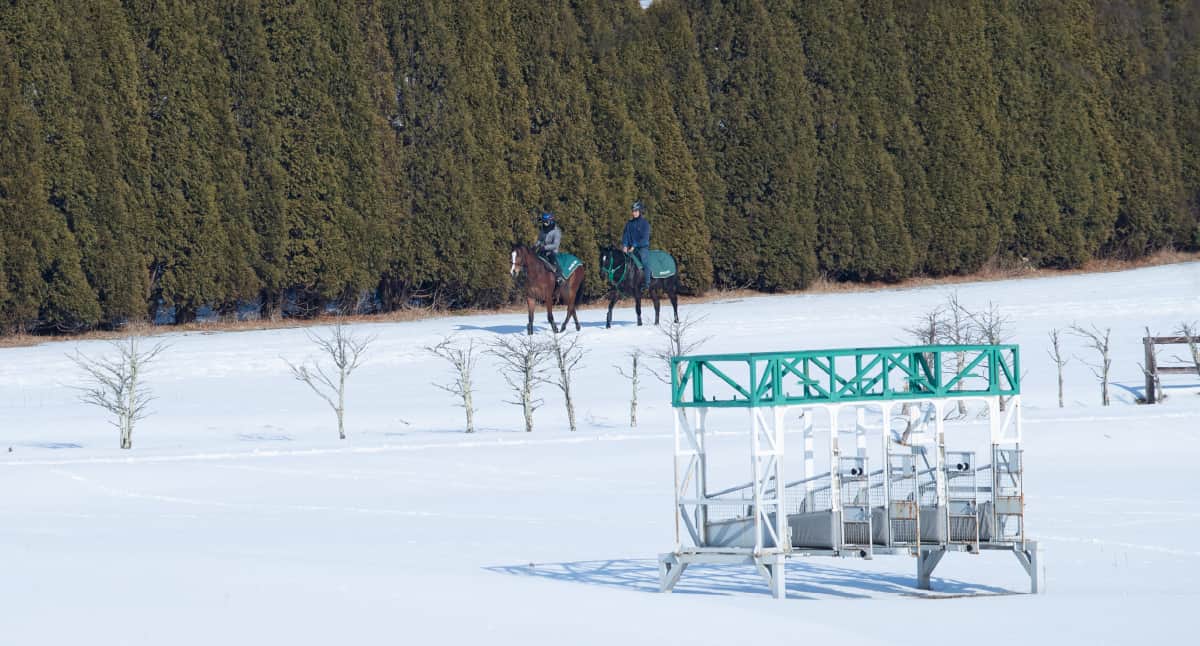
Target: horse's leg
[
  {"x": 573, "y": 308},
  {"x": 673, "y": 292},
  {"x": 550, "y": 312},
  {"x": 637, "y": 303},
  {"x": 570, "y": 303},
  {"x": 566, "y": 304},
  {"x": 656, "y": 297},
  {"x": 612, "y": 300},
  {"x": 529, "y": 327}
]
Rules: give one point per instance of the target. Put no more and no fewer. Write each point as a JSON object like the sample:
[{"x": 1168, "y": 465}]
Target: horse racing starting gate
[{"x": 901, "y": 489}]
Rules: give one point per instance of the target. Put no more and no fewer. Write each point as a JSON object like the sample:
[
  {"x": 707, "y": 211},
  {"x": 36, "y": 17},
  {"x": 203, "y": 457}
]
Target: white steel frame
[{"x": 772, "y": 541}]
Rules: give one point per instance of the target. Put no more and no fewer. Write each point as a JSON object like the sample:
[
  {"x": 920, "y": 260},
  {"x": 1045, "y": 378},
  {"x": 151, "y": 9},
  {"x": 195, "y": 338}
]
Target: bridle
[{"x": 611, "y": 269}]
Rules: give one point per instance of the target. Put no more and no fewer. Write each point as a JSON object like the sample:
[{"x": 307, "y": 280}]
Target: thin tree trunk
[
  {"x": 527, "y": 406},
  {"x": 633, "y": 400},
  {"x": 341, "y": 410},
  {"x": 1060, "y": 386},
  {"x": 570, "y": 408},
  {"x": 131, "y": 398},
  {"x": 470, "y": 409},
  {"x": 1104, "y": 381}
]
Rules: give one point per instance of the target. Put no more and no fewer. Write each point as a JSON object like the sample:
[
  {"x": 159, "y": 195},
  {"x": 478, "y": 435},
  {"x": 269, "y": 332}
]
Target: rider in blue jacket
[{"x": 636, "y": 239}]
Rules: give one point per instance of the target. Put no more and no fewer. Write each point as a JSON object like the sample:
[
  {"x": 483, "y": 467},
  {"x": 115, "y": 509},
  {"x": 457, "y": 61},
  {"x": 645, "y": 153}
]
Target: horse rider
[
  {"x": 636, "y": 239},
  {"x": 549, "y": 238}
]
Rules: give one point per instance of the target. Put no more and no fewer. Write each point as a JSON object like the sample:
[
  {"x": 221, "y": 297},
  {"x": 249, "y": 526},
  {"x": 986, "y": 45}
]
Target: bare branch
[
  {"x": 929, "y": 327},
  {"x": 678, "y": 342},
  {"x": 990, "y": 325},
  {"x": 1191, "y": 331},
  {"x": 314, "y": 381}
]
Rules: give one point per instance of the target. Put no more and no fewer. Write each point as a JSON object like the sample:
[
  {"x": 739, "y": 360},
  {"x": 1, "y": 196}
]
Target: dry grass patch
[{"x": 993, "y": 271}]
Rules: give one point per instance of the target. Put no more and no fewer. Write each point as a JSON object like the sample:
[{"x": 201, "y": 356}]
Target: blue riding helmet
[{"x": 637, "y": 206}]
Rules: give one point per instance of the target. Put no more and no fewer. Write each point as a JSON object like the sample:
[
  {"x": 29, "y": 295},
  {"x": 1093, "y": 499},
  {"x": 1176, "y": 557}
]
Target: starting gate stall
[{"x": 921, "y": 498}]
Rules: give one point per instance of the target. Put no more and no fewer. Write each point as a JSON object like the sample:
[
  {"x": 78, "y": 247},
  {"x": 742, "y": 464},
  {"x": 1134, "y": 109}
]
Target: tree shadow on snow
[
  {"x": 497, "y": 329},
  {"x": 600, "y": 324},
  {"x": 520, "y": 329},
  {"x": 1139, "y": 391},
  {"x": 805, "y": 580},
  {"x": 54, "y": 446},
  {"x": 455, "y": 430}
]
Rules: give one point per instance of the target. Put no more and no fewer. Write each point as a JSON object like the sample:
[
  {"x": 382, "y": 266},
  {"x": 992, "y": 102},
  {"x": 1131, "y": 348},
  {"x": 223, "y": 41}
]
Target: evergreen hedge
[{"x": 297, "y": 155}]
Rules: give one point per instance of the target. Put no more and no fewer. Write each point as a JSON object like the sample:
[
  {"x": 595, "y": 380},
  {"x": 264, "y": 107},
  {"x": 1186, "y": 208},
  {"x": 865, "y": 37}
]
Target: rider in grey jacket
[{"x": 549, "y": 239}]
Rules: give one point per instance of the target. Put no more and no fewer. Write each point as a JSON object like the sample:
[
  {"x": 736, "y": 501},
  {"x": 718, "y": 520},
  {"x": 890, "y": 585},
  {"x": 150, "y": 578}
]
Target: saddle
[
  {"x": 567, "y": 263},
  {"x": 662, "y": 264}
]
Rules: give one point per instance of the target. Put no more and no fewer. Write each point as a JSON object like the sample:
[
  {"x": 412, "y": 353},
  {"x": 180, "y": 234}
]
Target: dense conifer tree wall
[
  {"x": 1183, "y": 29},
  {"x": 161, "y": 158},
  {"x": 45, "y": 185}
]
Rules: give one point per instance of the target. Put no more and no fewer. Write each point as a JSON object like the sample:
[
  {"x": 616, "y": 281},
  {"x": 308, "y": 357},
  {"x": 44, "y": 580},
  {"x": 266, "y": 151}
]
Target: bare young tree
[
  {"x": 523, "y": 365},
  {"x": 928, "y": 329},
  {"x": 1060, "y": 360},
  {"x": 463, "y": 358},
  {"x": 958, "y": 330},
  {"x": 634, "y": 377},
  {"x": 346, "y": 351},
  {"x": 679, "y": 341},
  {"x": 117, "y": 385},
  {"x": 567, "y": 352},
  {"x": 1097, "y": 341},
  {"x": 992, "y": 327},
  {"x": 1190, "y": 331}
]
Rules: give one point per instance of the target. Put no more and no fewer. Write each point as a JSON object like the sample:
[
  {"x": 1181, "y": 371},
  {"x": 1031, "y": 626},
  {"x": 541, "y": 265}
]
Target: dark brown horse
[
  {"x": 540, "y": 285},
  {"x": 621, "y": 274}
]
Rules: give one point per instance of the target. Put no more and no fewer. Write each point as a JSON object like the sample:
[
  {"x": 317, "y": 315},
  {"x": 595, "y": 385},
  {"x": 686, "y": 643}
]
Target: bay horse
[
  {"x": 622, "y": 274},
  {"x": 540, "y": 285}
]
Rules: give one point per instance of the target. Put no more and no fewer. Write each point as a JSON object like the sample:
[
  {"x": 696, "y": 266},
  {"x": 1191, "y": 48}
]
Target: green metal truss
[{"x": 845, "y": 375}]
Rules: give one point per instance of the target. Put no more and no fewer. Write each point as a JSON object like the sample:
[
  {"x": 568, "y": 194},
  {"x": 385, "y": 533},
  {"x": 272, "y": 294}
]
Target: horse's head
[
  {"x": 517, "y": 262},
  {"x": 612, "y": 264}
]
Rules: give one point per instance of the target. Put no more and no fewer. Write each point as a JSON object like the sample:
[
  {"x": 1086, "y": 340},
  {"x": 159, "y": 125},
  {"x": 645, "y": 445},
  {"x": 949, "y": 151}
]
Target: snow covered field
[{"x": 239, "y": 517}]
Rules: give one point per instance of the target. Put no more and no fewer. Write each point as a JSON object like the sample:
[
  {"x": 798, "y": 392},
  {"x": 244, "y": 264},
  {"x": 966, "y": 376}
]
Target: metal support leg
[
  {"x": 927, "y": 560},
  {"x": 772, "y": 569},
  {"x": 1028, "y": 559},
  {"x": 669, "y": 570}
]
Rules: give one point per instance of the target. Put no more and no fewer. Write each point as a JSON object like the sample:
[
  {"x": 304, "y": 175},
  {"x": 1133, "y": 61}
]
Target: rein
[{"x": 611, "y": 269}]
